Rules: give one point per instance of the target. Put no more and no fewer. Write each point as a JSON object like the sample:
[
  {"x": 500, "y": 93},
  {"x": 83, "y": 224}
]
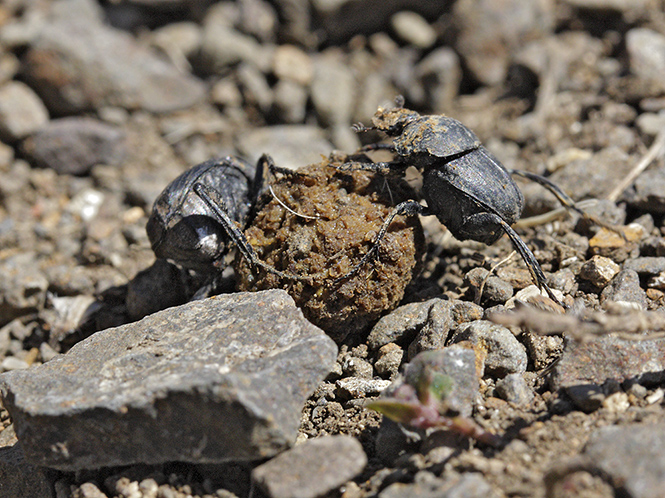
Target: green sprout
[{"x": 424, "y": 406}]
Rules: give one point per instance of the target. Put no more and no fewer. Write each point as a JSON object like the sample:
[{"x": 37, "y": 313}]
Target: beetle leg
[
  {"x": 406, "y": 208},
  {"x": 383, "y": 168},
  {"x": 256, "y": 186},
  {"x": 377, "y": 146},
  {"x": 531, "y": 262},
  {"x": 565, "y": 200},
  {"x": 214, "y": 201}
]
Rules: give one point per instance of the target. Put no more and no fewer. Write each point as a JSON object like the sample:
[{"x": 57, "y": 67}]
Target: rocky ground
[{"x": 119, "y": 382}]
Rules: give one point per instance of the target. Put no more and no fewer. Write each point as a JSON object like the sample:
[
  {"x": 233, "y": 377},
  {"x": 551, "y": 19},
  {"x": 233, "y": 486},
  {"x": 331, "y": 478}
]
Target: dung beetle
[
  {"x": 200, "y": 213},
  {"x": 464, "y": 185}
]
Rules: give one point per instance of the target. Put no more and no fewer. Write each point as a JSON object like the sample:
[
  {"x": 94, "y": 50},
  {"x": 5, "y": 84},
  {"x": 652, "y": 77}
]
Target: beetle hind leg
[
  {"x": 406, "y": 208},
  {"x": 565, "y": 200},
  {"x": 531, "y": 262}
]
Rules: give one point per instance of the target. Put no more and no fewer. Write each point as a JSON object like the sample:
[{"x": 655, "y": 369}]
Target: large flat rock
[{"x": 210, "y": 381}]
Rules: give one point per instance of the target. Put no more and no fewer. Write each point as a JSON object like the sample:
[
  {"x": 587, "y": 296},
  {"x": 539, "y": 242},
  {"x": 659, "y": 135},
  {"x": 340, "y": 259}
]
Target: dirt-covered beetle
[{"x": 464, "y": 185}]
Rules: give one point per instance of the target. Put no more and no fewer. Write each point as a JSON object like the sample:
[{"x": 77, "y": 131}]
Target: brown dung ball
[{"x": 339, "y": 214}]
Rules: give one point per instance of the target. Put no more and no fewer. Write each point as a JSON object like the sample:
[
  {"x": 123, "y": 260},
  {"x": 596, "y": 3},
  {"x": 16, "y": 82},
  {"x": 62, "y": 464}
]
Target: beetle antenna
[
  {"x": 283, "y": 204},
  {"x": 359, "y": 127},
  {"x": 266, "y": 161}
]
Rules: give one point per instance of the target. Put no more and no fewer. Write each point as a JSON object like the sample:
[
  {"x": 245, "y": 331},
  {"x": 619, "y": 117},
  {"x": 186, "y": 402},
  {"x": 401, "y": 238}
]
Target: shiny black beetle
[
  {"x": 464, "y": 184},
  {"x": 198, "y": 215},
  {"x": 183, "y": 228}
]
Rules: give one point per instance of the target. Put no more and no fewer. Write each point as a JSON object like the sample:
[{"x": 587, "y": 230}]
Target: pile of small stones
[{"x": 117, "y": 382}]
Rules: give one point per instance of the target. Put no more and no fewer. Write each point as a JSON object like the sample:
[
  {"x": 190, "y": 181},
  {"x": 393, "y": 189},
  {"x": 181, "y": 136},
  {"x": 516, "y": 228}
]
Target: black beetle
[
  {"x": 464, "y": 184},
  {"x": 184, "y": 229},
  {"x": 199, "y": 213}
]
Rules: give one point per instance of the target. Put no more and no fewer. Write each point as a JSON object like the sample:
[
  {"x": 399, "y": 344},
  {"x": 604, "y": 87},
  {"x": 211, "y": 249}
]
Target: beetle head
[{"x": 392, "y": 121}]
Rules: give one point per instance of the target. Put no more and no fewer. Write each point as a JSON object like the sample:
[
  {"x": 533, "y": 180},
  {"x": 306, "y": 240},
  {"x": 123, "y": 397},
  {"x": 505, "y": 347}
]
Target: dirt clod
[{"x": 349, "y": 208}]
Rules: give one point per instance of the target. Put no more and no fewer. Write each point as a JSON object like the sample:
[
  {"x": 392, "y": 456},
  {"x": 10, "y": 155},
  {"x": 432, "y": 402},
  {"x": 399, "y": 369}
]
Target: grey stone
[
  {"x": 19, "y": 479},
  {"x": 646, "y": 53},
  {"x": 489, "y": 32},
  {"x": 619, "y": 5},
  {"x": 21, "y": 111},
  {"x": 505, "y": 354},
  {"x": 312, "y": 469},
  {"x": 291, "y": 146},
  {"x": 582, "y": 178},
  {"x": 333, "y": 89},
  {"x": 650, "y": 123},
  {"x": 413, "y": 29},
  {"x": 77, "y": 64},
  {"x": 240, "y": 365},
  {"x": 586, "y": 397},
  {"x": 594, "y": 362},
  {"x": 12, "y": 363},
  {"x": 455, "y": 361},
  {"x": 74, "y": 145},
  {"x": 290, "y": 101},
  {"x": 256, "y": 90},
  {"x": 22, "y": 287},
  {"x": 632, "y": 457},
  {"x": 467, "y": 485},
  {"x": 292, "y": 64},
  {"x": 404, "y": 324},
  {"x": 441, "y": 74},
  {"x": 222, "y": 46},
  {"x": 180, "y": 40},
  {"x": 648, "y": 191},
  {"x": 495, "y": 289},
  {"x": 357, "y": 367},
  {"x": 645, "y": 265},
  {"x": 514, "y": 389},
  {"x": 625, "y": 288},
  {"x": 434, "y": 332}
]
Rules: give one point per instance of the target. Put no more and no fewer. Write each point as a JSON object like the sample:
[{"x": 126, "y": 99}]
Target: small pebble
[
  {"x": 599, "y": 271},
  {"x": 504, "y": 352},
  {"x": 587, "y": 398},
  {"x": 389, "y": 358},
  {"x": 13, "y": 363},
  {"x": 356, "y": 387},
  {"x": 514, "y": 389},
  {"x": 413, "y": 29},
  {"x": 617, "y": 402}
]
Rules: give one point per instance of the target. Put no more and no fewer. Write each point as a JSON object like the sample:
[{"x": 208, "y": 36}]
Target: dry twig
[{"x": 627, "y": 324}]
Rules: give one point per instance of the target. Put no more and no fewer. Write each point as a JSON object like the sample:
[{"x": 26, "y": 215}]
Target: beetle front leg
[
  {"x": 377, "y": 146},
  {"x": 383, "y": 168},
  {"x": 214, "y": 201},
  {"x": 406, "y": 208}
]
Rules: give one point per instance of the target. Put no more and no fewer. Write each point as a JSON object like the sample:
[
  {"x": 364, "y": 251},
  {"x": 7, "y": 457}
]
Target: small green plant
[{"x": 424, "y": 406}]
